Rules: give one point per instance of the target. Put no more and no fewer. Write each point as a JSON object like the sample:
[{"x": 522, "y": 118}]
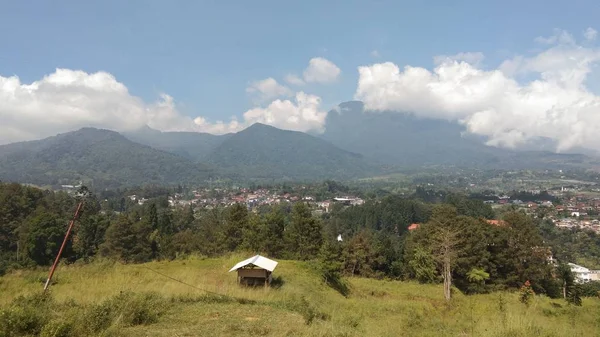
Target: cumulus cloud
[
  {"x": 560, "y": 36},
  {"x": 471, "y": 58},
  {"x": 268, "y": 89},
  {"x": 590, "y": 34},
  {"x": 321, "y": 70},
  {"x": 554, "y": 102},
  {"x": 70, "y": 99},
  {"x": 302, "y": 114},
  {"x": 293, "y": 79}
]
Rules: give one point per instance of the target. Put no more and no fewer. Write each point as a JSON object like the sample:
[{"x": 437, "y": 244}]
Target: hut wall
[{"x": 252, "y": 273}]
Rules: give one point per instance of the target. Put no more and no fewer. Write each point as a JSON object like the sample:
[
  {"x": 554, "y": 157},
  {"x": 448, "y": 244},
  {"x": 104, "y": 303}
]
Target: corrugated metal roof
[{"x": 257, "y": 260}]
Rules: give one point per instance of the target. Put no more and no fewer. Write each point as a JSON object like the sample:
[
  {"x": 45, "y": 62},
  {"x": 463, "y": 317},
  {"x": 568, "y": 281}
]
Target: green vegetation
[
  {"x": 99, "y": 158},
  {"x": 322, "y": 287},
  {"x": 192, "y": 145},
  {"x": 267, "y": 153},
  {"x": 111, "y": 299}
]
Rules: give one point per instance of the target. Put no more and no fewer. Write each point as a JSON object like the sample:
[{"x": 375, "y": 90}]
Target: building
[
  {"x": 582, "y": 274},
  {"x": 256, "y": 270},
  {"x": 413, "y": 226}
]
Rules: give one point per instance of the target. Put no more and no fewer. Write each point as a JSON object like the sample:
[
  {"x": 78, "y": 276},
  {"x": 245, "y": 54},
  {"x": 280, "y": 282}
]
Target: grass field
[{"x": 134, "y": 300}]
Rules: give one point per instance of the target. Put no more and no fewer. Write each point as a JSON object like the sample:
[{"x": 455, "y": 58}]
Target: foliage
[
  {"x": 268, "y": 153},
  {"x": 303, "y": 234},
  {"x": 526, "y": 293},
  {"x": 100, "y": 158}
]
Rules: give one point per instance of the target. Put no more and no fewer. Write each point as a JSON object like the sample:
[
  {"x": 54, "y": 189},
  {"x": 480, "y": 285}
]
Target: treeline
[{"x": 453, "y": 243}]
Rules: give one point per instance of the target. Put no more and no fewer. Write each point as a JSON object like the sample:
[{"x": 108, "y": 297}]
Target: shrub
[
  {"x": 26, "y": 315},
  {"x": 526, "y": 293}
]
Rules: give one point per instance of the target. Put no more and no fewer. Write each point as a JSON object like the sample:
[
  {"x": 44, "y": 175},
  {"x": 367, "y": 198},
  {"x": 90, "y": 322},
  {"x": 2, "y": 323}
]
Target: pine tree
[
  {"x": 304, "y": 235},
  {"x": 236, "y": 220},
  {"x": 274, "y": 236}
]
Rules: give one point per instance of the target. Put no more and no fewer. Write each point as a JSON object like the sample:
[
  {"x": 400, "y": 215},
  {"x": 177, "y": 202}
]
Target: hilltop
[
  {"x": 300, "y": 304},
  {"x": 262, "y": 151},
  {"x": 96, "y": 157}
]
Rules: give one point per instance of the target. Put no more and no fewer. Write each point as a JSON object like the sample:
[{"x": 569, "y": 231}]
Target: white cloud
[
  {"x": 321, "y": 70},
  {"x": 293, "y": 79},
  {"x": 471, "y": 58},
  {"x": 590, "y": 34},
  {"x": 69, "y": 99},
  {"x": 555, "y": 103},
  {"x": 268, "y": 89},
  {"x": 560, "y": 36},
  {"x": 375, "y": 54},
  {"x": 302, "y": 114}
]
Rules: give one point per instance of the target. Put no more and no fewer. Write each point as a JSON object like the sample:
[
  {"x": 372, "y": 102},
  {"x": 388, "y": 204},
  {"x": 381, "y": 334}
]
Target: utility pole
[{"x": 84, "y": 192}]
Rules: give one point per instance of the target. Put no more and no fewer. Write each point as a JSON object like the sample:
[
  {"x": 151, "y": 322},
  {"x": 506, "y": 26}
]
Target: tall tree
[
  {"x": 445, "y": 243},
  {"x": 275, "y": 226},
  {"x": 304, "y": 234},
  {"x": 235, "y": 221}
]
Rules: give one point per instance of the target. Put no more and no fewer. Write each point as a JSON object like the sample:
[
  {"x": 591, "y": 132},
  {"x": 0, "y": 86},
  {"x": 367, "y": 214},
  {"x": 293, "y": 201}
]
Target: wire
[{"x": 187, "y": 284}]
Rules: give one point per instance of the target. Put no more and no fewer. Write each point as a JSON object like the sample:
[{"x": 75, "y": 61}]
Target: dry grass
[{"x": 374, "y": 308}]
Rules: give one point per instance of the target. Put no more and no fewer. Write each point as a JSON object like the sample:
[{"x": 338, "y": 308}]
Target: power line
[{"x": 184, "y": 283}]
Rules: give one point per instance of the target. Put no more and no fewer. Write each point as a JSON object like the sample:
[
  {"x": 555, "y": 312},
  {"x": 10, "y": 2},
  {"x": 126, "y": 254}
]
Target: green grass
[{"x": 131, "y": 300}]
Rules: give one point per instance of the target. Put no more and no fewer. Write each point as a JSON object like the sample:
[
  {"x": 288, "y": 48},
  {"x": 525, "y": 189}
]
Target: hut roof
[{"x": 257, "y": 260}]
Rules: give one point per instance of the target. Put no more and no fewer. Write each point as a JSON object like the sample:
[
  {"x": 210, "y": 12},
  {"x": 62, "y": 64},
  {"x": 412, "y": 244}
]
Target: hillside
[
  {"x": 192, "y": 145},
  {"x": 407, "y": 141},
  {"x": 99, "y": 158},
  {"x": 265, "y": 152},
  {"x": 139, "y": 300}
]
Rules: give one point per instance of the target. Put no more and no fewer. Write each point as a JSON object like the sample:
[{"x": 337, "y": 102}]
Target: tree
[
  {"x": 477, "y": 276},
  {"x": 45, "y": 235},
  {"x": 128, "y": 241},
  {"x": 89, "y": 235},
  {"x": 235, "y": 222},
  {"x": 274, "y": 237},
  {"x": 254, "y": 234},
  {"x": 445, "y": 242},
  {"x": 566, "y": 276},
  {"x": 304, "y": 234},
  {"x": 422, "y": 265},
  {"x": 330, "y": 265}
]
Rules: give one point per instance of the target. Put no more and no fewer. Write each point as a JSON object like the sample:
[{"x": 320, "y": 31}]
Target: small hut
[{"x": 256, "y": 270}]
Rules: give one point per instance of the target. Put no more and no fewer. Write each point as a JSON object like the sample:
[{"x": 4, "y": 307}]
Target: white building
[{"x": 582, "y": 274}]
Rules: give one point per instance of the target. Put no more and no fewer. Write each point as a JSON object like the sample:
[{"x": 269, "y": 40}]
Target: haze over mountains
[{"x": 355, "y": 144}]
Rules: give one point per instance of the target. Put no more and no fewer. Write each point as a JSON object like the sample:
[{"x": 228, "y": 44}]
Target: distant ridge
[
  {"x": 263, "y": 151},
  {"x": 95, "y": 156}
]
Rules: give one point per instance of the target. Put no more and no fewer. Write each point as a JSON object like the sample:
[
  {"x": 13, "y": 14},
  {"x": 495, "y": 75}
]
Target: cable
[{"x": 187, "y": 284}]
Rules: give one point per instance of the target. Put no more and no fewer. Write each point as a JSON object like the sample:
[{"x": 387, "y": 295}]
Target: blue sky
[{"x": 206, "y": 54}]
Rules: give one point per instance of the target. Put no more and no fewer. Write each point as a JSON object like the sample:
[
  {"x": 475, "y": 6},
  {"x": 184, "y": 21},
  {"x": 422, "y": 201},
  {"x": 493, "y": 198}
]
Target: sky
[{"x": 509, "y": 70}]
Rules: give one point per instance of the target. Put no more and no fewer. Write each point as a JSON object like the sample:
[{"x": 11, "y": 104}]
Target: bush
[
  {"x": 26, "y": 315},
  {"x": 127, "y": 309},
  {"x": 526, "y": 293},
  {"x": 60, "y": 328}
]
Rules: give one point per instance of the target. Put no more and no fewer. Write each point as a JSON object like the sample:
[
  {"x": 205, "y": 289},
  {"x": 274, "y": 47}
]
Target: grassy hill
[
  {"x": 100, "y": 158},
  {"x": 134, "y": 300}
]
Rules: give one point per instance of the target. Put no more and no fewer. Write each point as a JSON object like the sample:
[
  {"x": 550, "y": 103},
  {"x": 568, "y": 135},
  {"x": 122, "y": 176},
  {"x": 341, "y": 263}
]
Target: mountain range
[{"x": 356, "y": 143}]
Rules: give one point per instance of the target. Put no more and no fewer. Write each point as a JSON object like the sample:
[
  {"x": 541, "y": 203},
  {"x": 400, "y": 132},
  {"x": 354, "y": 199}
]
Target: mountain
[
  {"x": 407, "y": 141},
  {"x": 97, "y": 157},
  {"x": 265, "y": 152},
  {"x": 192, "y": 145}
]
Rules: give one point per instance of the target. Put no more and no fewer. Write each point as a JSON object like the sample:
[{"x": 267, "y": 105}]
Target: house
[
  {"x": 256, "y": 270},
  {"x": 499, "y": 223},
  {"x": 582, "y": 274},
  {"x": 413, "y": 226}
]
